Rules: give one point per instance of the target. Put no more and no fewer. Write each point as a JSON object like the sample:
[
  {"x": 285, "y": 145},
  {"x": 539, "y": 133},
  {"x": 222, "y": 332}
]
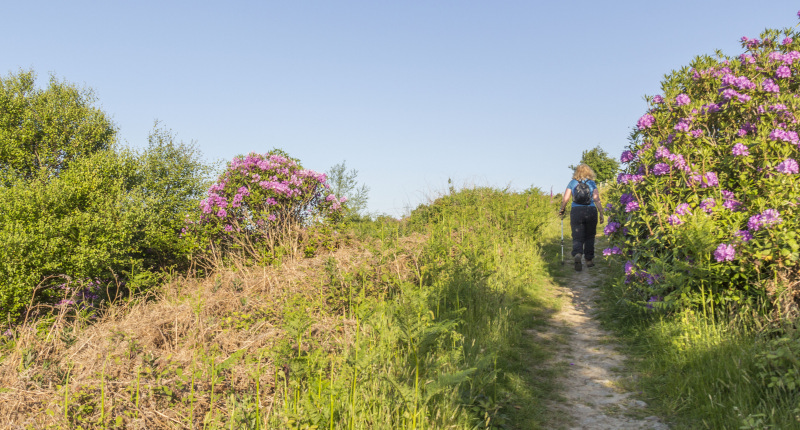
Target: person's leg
[
  {"x": 578, "y": 226},
  {"x": 578, "y": 234},
  {"x": 590, "y": 230}
]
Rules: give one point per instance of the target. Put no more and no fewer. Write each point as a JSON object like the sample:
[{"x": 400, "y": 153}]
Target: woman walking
[{"x": 583, "y": 216}]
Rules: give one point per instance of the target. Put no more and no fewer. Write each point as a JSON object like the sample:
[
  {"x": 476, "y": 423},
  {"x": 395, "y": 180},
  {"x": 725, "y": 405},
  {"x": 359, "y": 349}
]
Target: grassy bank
[
  {"x": 411, "y": 324},
  {"x": 707, "y": 369}
]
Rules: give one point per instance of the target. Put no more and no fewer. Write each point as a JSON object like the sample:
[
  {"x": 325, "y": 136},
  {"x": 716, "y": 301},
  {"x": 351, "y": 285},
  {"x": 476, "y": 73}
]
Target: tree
[
  {"x": 43, "y": 130},
  {"x": 343, "y": 184},
  {"x": 75, "y": 207},
  {"x": 603, "y": 165}
]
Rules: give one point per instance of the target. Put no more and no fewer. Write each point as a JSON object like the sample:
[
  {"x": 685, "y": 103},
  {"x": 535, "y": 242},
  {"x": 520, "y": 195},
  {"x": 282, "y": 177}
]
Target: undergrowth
[
  {"x": 412, "y": 324},
  {"x": 709, "y": 368}
]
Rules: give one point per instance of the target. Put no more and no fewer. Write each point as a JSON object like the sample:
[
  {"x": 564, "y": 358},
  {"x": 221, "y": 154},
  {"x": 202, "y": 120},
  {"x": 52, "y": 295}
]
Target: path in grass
[{"x": 592, "y": 397}]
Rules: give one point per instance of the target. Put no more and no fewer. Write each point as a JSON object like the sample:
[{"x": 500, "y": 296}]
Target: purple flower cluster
[
  {"x": 646, "y": 121},
  {"x": 730, "y": 201},
  {"x": 661, "y": 169},
  {"x": 767, "y": 218},
  {"x": 768, "y": 85},
  {"x": 709, "y": 180},
  {"x": 708, "y": 205},
  {"x": 744, "y": 235},
  {"x": 627, "y": 178},
  {"x": 724, "y": 252},
  {"x": 627, "y": 157},
  {"x": 730, "y": 93},
  {"x": 614, "y": 250},
  {"x": 683, "y": 209},
  {"x": 611, "y": 227},
  {"x": 788, "y": 166},
  {"x": 682, "y": 99},
  {"x": 740, "y": 150},
  {"x": 783, "y": 72},
  {"x": 785, "y": 136},
  {"x": 632, "y": 206},
  {"x": 683, "y": 125},
  {"x": 658, "y": 99},
  {"x": 674, "y": 220},
  {"x": 740, "y": 82}
]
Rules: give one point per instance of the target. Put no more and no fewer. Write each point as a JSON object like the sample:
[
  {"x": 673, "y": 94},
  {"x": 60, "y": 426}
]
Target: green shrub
[
  {"x": 707, "y": 204},
  {"x": 77, "y": 209},
  {"x": 261, "y": 201}
]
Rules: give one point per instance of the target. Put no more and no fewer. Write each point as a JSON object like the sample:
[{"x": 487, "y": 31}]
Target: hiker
[{"x": 583, "y": 216}]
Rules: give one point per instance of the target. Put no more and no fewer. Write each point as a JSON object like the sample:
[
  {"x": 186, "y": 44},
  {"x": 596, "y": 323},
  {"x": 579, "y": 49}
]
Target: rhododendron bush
[
  {"x": 706, "y": 206},
  {"x": 261, "y": 201}
]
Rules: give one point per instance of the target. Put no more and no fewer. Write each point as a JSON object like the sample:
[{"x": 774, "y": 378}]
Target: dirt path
[{"x": 592, "y": 395}]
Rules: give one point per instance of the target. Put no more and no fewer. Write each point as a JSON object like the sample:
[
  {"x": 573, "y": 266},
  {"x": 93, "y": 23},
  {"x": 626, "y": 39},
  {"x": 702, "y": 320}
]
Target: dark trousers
[{"x": 583, "y": 220}]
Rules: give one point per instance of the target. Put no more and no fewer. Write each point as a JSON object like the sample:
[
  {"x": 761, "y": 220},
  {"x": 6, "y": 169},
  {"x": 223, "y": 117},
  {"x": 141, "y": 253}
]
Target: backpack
[{"x": 582, "y": 195}]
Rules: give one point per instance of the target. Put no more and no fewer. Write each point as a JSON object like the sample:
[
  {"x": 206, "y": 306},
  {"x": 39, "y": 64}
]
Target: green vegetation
[
  {"x": 418, "y": 324},
  {"x": 605, "y": 166},
  {"x": 83, "y": 217},
  {"x": 704, "y": 225}
]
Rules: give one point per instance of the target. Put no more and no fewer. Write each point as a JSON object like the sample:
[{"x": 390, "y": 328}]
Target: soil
[{"x": 591, "y": 386}]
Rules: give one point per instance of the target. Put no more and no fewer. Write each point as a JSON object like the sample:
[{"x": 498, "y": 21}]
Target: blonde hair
[{"x": 583, "y": 172}]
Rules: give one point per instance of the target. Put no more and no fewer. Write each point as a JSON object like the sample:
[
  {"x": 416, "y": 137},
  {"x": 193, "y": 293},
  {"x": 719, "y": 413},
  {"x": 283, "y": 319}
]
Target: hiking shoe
[
  {"x": 578, "y": 266},
  {"x": 589, "y": 263}
]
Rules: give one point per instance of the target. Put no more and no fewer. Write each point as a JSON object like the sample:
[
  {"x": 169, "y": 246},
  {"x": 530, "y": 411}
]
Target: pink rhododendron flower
[{"x": 788, "y": 166}]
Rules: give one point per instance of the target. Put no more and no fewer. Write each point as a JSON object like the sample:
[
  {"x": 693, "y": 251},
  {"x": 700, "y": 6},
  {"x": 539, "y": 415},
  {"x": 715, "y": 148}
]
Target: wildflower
[
  {"x": 724, "y": 252},
  {"x": 783, "y": 72},
  {"x": 682, "y": 99},
  {"x": 683, "y": 209},
  {"x": 646, "y": 121},
  {"x": 788, "y": 166},
  {"x": 740, "y": 150},
  {"x": 661, "y": 169}
]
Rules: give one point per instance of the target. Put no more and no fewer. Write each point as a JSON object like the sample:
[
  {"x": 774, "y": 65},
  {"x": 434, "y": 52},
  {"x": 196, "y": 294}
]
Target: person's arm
[
  {"x": 564, "y": 201},
  {"x": 598, "y": 205}
]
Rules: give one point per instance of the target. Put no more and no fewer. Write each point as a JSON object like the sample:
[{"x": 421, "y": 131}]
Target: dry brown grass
[{"x": 186, "y": 324}]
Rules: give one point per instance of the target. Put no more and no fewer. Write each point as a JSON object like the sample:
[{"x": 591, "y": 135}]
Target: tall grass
[
  {"x": 418, "y": 325},
  {"x": 708, "y": 369}
]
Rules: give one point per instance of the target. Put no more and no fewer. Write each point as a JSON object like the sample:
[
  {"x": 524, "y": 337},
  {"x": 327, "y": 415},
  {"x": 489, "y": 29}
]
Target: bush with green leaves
[
  {"x": 706, "y": 210},
  {"x": 258, "y": 202},
  {"x": 76, "y": 208}
]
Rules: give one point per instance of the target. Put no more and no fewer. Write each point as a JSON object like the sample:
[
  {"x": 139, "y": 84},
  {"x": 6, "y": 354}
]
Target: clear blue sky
[{"x": 410, "y": 93}]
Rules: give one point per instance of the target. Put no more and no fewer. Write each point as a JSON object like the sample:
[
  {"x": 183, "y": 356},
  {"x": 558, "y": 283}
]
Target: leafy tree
[
  {"x": 75, "y": 207},
  {"x": 343, "y": 183},
  {"x": 603, "y": 165},
  {"x": 43, "y": 130}
]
